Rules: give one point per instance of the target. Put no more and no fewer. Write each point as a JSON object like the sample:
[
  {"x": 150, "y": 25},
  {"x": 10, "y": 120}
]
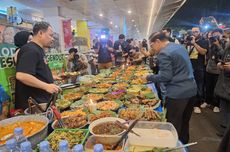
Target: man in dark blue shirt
[
  {"x": 104, "y": 48},
  {"x": 175, "y": 72}
]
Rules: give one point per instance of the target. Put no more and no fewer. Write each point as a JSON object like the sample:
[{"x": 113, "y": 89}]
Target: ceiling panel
[{"x": 115, "y": 11}]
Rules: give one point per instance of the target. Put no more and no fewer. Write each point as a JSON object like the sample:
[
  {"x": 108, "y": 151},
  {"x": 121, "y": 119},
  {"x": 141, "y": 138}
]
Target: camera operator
[
  {"x": 197, "y": 47},
  {"x": 215, "y": 53}
]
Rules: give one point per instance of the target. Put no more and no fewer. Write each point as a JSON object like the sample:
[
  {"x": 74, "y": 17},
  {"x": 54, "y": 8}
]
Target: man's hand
[
  {"x": 220, "y": 66},
  {"x": 216, "y": 43},
  {"x": 52, "y": 88},
  {"x": 57, "y": 78},
  {"x": 226, "y": 66},
  {"x": 144, "y": 77},
  {"x": 124, "y": 55}
]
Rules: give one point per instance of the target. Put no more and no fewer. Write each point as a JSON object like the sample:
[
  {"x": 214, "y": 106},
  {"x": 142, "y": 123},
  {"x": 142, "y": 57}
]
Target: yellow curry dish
[{"x": 30, "y": 128}]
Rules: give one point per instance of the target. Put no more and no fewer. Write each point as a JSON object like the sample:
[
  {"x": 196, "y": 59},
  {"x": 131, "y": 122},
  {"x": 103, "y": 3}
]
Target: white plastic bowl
[{"x": 106, "y": 139}]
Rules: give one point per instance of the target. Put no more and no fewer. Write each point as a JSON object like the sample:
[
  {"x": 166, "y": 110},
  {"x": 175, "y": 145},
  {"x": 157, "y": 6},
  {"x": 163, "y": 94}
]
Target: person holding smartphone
[{"x": 222, "y": 90}]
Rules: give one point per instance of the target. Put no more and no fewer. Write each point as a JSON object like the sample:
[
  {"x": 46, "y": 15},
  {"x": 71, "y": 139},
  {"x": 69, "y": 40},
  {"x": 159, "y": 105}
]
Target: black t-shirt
[
  {"x": 32, "y": 60},
  {"x": 198, "y": 64}
]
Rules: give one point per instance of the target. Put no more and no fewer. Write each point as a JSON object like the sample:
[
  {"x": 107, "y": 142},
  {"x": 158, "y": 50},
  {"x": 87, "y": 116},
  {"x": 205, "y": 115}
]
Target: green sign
[
  {"x": 7, "y": 68},
  {"x": 56, "y": 61},
  {"x": 6, "y": 55}
]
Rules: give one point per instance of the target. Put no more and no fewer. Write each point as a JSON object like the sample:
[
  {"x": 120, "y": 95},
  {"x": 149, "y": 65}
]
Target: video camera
[
  {"x": 189, "y": 38},
  {"x": 214, "y": 39}
]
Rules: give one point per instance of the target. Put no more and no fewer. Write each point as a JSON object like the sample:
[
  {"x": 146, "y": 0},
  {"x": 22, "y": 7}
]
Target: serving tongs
[
  {"x": 70, "y": 86},
  {"x": 125, "y": 127},
  {"x": 32, "y": 102},
  {"x": 125, "y": 134},
  {"x": 179, "y": 147},
  {"x": 58, "y": 116},
  {"x": 52, "y": 101}
]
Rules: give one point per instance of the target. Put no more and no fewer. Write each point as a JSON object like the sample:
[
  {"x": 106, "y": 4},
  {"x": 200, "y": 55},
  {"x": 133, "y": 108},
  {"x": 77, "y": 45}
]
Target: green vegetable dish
[{"x": 73, "y": 136}]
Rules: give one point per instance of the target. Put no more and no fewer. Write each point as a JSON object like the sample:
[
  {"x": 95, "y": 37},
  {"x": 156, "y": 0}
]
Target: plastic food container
[
  {"x": 89, "y": 145},
  {"x": 106, "y": 139},
  {"x": 154, "y": 134},
  {"x": 131, "y": 148}
]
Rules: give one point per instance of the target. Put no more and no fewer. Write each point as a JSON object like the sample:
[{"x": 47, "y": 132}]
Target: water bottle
[
  {"x": 44, "y": 146},
  {"x": 98, "y": 148},
  {"x": 11, "y": 146},
  {"x": 19, "y": 137},
  {"x": 78, "y": 148},
  {"x": 26, "y": 147},
  {"x": 64, "y": 146}
]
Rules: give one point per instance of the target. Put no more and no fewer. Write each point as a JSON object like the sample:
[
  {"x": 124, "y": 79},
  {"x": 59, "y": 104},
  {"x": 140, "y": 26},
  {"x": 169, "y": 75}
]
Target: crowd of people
[{"x": 189, "y": 73}]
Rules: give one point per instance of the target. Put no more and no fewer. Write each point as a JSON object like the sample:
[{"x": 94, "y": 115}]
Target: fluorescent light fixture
[
  {"x": 151, "y": 17},
  {"x": 129, "y": 11},
  {"x": 101, "y": 15}
]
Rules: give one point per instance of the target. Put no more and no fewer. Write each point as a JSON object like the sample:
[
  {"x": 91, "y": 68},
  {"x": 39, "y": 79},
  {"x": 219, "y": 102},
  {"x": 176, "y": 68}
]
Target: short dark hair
[
  {"x": 73, "y": 50},
  {"x": 218, "y": 30},
  {"x": 157, "y": 35},
  {"x": 167, "y": 29},
  {"x": 40, "y": 26},
  {"x": 121, "y": 36}
]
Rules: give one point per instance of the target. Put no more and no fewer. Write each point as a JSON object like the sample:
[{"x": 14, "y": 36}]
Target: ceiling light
[
  {"x": 100, "y": 14},
  {"x": 116, "y": 26},
  {"x": 133, "y": 20},
  {"x": 111, "y": 22},
  {"x": 151, "y": 16},
  {"x": 129, "y": 12},
  {"x": 135, "y": 25}
]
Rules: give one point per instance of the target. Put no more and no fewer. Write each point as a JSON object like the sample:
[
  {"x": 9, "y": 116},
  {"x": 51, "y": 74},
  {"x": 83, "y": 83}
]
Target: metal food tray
[{"x": 35, "y": 138}]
